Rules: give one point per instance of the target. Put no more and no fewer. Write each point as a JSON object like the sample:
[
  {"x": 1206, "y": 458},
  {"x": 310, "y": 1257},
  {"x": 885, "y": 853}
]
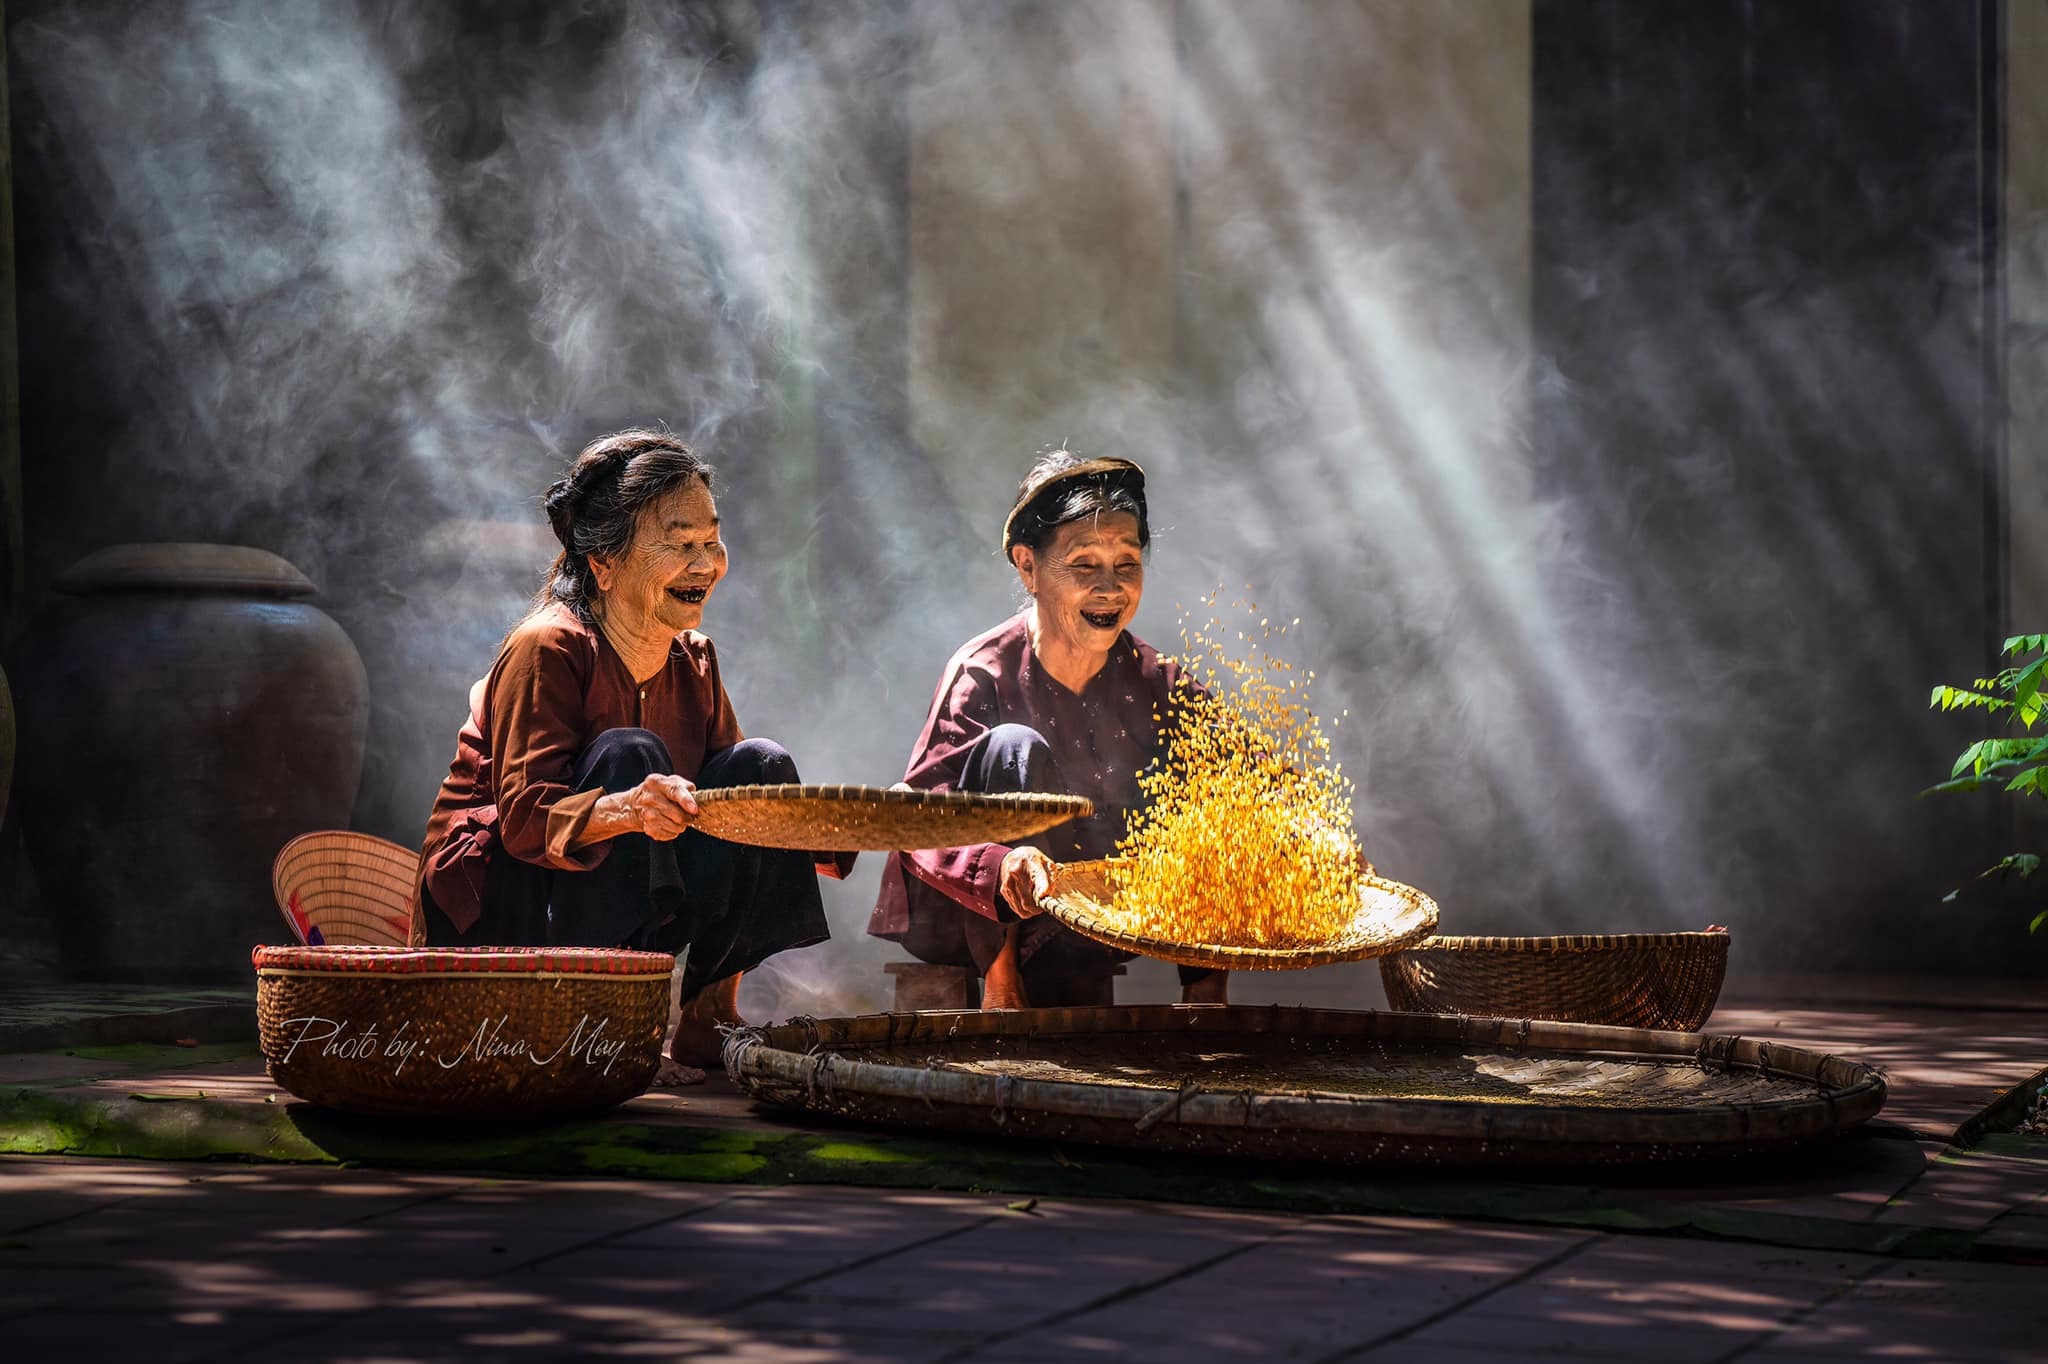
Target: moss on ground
[{"x": 42, "y": 1121}]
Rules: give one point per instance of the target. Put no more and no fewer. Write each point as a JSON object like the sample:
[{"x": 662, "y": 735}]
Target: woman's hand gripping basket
[{"x": 482, "y": 1032}]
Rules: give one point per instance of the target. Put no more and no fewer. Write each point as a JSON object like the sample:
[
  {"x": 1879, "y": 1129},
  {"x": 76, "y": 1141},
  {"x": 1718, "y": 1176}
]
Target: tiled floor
[
  {"x": 164, "y": 1260},
  {"x": 188, "y": 1262}
]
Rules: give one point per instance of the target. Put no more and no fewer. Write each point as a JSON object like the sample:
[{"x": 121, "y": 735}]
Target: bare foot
[
  {"x": 1007, "y": 994},
  {"x": 697, "y": 1041},
  {"x": 1213, "y": 988},
  {"x": 674, "y": 1073}
]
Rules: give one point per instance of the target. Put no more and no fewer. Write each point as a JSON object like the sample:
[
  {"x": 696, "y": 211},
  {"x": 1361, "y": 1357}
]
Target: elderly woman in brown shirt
[
  {"x": 565, "y": 817},
  {"x": 1061, "y": 697}
]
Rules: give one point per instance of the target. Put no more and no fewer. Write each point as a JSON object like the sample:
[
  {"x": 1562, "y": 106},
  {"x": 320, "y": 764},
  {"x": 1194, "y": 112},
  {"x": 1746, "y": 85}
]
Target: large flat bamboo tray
[
  {"x": 876, "y": 818},
  {"x": 1311, "y": 1084},
  {"x": 467, "y": 1032},
  {"x": 1390, "y": 916}
]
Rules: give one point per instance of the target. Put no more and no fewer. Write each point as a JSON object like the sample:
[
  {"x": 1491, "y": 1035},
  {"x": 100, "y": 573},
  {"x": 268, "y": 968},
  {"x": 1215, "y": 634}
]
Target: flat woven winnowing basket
[
  {"x": 467, "y": 1032},
  {"x": 1625, "y": 980},
  {"x": 1390, "y": 916},
  {"x": 336, "y": 888},
  {"x": 877, "y": 818}
]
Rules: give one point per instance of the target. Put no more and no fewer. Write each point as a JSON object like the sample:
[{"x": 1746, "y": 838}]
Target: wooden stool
[{"x": 920, "y": 985}]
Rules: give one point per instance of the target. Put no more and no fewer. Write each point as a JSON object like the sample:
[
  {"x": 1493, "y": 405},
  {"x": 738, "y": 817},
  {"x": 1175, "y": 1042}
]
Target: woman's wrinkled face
[
  {"x": 1087, "y": 580},
  {"x": 676, "y": 558}
]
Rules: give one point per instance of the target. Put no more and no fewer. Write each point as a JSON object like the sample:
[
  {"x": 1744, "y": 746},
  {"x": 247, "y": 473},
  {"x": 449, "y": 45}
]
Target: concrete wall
[
  {"x": 2026, "y": 278},
  {"x": 1162, "y": 230}
]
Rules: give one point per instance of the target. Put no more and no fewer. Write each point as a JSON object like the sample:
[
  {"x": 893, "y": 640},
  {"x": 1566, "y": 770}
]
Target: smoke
[{"x": 359, "y": 279}]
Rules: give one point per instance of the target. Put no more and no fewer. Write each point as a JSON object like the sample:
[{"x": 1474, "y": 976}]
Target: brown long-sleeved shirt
[
  {"x": 556, "y": 686},
  {"x": 1103, "y": 736}
]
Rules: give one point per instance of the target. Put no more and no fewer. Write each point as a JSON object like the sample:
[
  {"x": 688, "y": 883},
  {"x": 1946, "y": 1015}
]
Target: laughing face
[
  {"x": 663, "y": 580},
  {"x": 1086, "y": 580}
]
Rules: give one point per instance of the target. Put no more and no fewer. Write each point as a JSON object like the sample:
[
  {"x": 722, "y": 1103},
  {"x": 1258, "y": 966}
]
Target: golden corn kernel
[{"x": 1246, "y": 839}]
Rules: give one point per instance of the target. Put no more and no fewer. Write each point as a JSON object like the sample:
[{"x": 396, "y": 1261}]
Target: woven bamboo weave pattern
[
  {"x": 876, "y": 818},
  {"x": 1390, "y": 916},
  {"x": 1632, "y": 980},
  {"x": 462, "y": 1033},
  {"x": 1311, "y": 1084},
  {"x": 353, "y": 888},
  {"x": 1370, "y": 1069}
]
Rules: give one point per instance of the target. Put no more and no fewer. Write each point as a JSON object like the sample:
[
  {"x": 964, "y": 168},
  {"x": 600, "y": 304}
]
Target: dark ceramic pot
[{"x": 183, "y": 715}]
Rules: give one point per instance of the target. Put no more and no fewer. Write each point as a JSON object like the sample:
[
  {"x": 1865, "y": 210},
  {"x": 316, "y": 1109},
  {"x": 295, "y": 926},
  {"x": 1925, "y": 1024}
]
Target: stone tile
[
  {"x": 757, "y": 1244},
  {"x": 2024, "y": 1234},
  {"x": 725, "y": 1345},
  {"x": 813, "y": 1223},
  {"x": 41, "y": 1190},
  {"x": 1927, "y": 1310},
  {"x": 29, "y": 1287},
  {"x": 230, "y": 1214},
  {"x": 1970, "y": 1189},
  {"x": 1324, "y": 1286},
  {"x": 166, "y": 1337},
  {"x": 1673, "y": 1300},
  {"x": 456, "y": 1335},
  {"x": 1410, "y": 1352},
  {"x": 1011, "y": 1271}
]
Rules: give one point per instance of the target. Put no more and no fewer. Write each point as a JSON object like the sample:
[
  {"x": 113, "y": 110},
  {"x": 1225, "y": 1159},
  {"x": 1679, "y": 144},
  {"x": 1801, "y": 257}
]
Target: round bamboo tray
[
  {"x": 1390, "y": 916},
  {"x": 480, "y": 1032},
  {"x": 336, "y": 888},
  {"x": 1630, "y": 980},
  {"x": 876, "y": 818},
  {"x": 1311, "y": 1084}
]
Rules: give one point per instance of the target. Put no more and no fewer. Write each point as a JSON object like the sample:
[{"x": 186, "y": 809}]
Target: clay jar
[{"x": 183, "y": 714}]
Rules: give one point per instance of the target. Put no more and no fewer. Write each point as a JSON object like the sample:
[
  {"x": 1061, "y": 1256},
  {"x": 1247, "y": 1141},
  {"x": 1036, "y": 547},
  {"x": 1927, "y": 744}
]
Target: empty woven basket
[
  {"x": 466, "y": 1032},
  {"x": 1668, "y": 981},
  {"x": 336, "y": 888}
]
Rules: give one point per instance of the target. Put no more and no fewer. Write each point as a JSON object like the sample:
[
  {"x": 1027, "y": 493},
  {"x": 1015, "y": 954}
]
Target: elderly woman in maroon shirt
[
  {"x": 565, "y": 817},
  {"x": 1063, "y": 698}
]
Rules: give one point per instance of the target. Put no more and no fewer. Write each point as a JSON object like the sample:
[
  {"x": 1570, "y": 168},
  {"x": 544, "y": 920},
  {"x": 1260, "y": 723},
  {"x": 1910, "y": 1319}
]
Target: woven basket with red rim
[{"x": 480, "y": 1032}]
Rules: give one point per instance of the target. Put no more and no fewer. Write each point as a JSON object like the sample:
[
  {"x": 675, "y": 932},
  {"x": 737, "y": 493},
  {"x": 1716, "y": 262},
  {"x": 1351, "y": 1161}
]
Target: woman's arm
[
  {"x": 964, "y": 709},
  {"x": 662, "y": 806},
  {"x": 537, "y": 721}
]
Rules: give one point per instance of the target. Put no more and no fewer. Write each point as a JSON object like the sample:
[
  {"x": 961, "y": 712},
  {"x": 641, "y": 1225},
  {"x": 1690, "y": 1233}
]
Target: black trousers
[
  {"x": 1009, "y": 758},
  {"x": 731, "y": 904}
]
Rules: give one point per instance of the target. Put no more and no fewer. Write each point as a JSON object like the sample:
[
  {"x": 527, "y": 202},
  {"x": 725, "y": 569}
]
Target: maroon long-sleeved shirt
[
  {"x": 556, "y": 686},
  {"x": 1103, "y": 737}
]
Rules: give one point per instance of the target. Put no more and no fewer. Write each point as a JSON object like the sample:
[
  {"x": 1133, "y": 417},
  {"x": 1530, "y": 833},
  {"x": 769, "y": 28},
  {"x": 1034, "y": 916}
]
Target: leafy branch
[{"x": 2016, "y": 762}]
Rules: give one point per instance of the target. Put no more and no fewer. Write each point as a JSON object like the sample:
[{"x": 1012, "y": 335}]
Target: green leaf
[
  {"x": 2039, "y": 919},
  {"x": 1958, "y": 784},
  {"x": 2029, "y": 681},
  {"x": 1985, "y": 752},
  {"x": 1958, "y": 698},
  {"x": 2025, "y": 864},
  {"x": 2024, "y": 644}
]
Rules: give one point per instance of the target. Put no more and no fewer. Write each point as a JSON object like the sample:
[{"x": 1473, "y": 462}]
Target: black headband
[{"x": 1100, "y": 473}]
